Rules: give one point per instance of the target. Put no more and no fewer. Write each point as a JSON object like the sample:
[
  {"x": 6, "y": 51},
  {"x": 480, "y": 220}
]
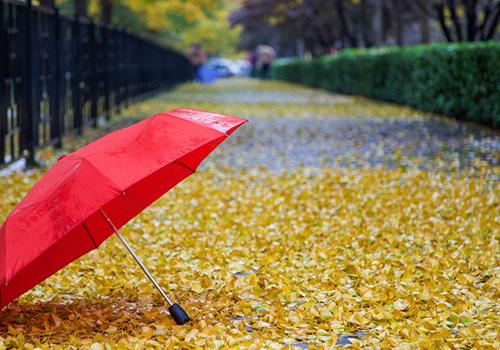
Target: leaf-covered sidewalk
[{"x": 326, "y": 220}]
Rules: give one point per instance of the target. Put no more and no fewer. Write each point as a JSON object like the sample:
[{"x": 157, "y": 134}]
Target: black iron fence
[{"x": 58, "y": 74}]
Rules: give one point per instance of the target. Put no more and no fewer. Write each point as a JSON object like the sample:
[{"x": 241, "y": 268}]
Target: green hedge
[{"x": 458, "y": 80}]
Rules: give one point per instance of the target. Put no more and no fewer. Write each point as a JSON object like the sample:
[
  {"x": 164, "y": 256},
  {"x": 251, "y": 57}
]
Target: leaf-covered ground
[{"x": 328, "y": 220}]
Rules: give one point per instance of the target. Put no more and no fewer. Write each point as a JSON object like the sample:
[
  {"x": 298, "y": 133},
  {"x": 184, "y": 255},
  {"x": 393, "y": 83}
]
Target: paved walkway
[{"x": 292, "y": 125}]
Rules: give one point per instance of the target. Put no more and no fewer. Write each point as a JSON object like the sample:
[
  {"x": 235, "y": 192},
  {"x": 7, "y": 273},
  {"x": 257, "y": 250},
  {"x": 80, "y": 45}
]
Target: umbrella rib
[
  {"x": 182, "y": 164},
  {"x": 88, "y": 233}
]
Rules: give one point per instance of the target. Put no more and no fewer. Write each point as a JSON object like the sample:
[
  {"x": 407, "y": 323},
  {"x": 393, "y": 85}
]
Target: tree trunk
[
  {"x": 398, "y": 8},
  {"x": 442, "y": 22},
  {"x": 81, "y": 8},
  {"x": 299, "y": 47},
  {"x": 346, "y": 32},
  {"x": 366, "y": 24},
  {"x": 378, "y": 17},
  {"x": 378, "y": 22},
  {"x": 490, "y": 33},
  {"x": 494, "y": 24},
  {"x": 423, "y": 17},
  {"x": 456, "y": 22},
  {"x": 106, "y": 11},
  {"x": 471, "y": 15}
]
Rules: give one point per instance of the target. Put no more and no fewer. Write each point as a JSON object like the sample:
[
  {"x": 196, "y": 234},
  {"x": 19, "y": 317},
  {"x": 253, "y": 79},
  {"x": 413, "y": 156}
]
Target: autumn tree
[{"x": 177, "y": 23}]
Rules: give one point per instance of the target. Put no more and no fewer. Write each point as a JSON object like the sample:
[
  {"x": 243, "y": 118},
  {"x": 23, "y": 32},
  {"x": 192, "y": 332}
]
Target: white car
[
  {"x": 244, "y": 68},
  {"x": 223, "y": 67}
]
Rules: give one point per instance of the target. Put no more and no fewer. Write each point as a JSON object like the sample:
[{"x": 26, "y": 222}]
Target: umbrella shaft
[{"x": 139, "y": 261}]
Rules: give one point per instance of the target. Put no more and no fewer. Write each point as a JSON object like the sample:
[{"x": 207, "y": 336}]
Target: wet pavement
[
  {"x": 292, "y": 126},
  {"x": 290, "y": 142}
]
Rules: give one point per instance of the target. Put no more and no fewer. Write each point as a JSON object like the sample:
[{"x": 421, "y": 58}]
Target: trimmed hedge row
[{"x": 458, "y": 80}]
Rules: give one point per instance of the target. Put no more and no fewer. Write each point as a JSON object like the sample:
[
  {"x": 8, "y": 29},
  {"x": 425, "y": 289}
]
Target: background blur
[{"x": 298, "y": 27}]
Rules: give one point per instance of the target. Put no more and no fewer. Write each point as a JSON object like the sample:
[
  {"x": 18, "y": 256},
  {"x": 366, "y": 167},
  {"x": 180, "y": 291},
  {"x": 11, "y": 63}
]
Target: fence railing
[{"x": 58, "y": 74}]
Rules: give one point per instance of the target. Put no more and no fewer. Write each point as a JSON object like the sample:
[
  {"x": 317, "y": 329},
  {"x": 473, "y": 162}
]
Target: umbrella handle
[{"x": 179, "y": 315}]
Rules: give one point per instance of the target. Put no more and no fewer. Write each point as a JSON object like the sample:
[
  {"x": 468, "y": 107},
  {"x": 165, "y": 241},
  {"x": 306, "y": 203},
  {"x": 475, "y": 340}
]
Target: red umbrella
[{"x": 87, "y": 195}]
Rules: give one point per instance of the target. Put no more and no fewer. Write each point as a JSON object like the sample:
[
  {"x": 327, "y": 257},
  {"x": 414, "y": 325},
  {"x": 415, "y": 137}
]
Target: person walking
[
  {"x": 197, "y": 56},
  {"x": 265, "y": 56}
]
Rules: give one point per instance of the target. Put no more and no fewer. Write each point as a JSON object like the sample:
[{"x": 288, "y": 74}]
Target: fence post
[
  {"x": 107, "y": 65},
  {"x": 3, "y": 93},
  {"x": 75, "y": 76},
  {"x": 36, "y": 72},
  {"x": 118, "y": 70},
  {"x": 93, "y": 75},
  {"x": 128, "y": 68},
  {"x": 57, "y": 120},
  {"x": 28, "y": 133}
]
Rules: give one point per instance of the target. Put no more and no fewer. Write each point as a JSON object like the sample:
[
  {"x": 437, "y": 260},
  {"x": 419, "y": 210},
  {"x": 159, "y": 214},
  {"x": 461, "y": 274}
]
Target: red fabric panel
[{"x": 69, "y": 248}]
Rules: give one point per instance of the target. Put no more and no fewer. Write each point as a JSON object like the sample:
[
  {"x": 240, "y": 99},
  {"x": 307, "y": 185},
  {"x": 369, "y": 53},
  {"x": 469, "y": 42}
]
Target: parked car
[
  {"x": 223, "y": 67},
  {"x": 244, "y": 68}
]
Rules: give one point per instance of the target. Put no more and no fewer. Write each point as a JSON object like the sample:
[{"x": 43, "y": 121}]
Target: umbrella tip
[{"x": 180, "y": 316}]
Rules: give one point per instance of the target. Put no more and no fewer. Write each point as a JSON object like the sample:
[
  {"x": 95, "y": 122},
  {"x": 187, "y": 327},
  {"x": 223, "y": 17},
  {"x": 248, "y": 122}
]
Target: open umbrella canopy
[{"x": 90, "y": 193}]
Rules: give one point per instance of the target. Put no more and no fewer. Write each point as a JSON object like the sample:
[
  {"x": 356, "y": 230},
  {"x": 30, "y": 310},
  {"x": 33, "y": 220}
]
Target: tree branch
[
  {"x": 456, "y": 21},
  {"x": 487, "y": 11},
  {"x": 494, "y": 23},
  {"x": 442, "y": 21}
]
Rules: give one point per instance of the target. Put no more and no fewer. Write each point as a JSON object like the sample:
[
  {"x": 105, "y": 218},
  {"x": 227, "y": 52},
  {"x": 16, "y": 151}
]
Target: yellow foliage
[
  {"x": 201, "y": 21},
  {"x": 178, "y": 23},
  {"x": 215, "y": 34}
]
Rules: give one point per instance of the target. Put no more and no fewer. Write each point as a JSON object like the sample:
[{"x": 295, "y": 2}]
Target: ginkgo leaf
[{"x": 298, "y": 230}]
